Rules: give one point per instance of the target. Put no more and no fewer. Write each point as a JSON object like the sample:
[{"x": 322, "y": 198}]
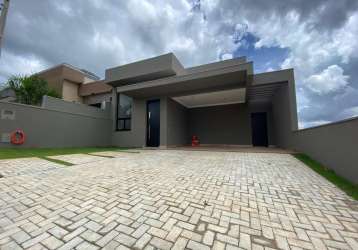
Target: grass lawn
[
  {"x": 11, "y": 153},
  {"x": 342, "y": 183}
]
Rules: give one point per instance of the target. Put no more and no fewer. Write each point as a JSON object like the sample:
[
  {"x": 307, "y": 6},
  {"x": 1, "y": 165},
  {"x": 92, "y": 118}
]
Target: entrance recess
[
  {"x": 259, "y": 129},
  {"x": 153, "y": 123}
]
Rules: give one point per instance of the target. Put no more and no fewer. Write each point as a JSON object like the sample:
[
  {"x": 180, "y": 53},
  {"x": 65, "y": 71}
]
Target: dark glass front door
[
  {"x": 259, "y": 129},
  {"x": 153, "y": 123}
]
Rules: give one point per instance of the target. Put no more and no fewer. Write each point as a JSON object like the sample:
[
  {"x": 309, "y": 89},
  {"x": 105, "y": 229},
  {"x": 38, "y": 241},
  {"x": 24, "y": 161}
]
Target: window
[
  {"x": 124, "y": 112},
  {"x": 97, "y": 105}
]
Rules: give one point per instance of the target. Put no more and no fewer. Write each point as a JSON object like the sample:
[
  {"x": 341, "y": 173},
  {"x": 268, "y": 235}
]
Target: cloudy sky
[{"x": 318, "y": 38}]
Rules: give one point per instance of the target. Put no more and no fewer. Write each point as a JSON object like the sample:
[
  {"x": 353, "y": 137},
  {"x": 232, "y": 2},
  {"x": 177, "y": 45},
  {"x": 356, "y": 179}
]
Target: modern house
[{"x": 158, "y": 102}]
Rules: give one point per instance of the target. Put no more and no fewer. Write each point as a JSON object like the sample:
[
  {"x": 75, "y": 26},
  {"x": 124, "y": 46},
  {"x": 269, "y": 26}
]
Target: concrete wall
[
  {"x": 226, "y": 124},
  {"x": 46, "y": 127},
  {"x": 177, "y": 124},
  {"x": 334, "y": 145},
  {"x": 52, "y": 103},
  {"x": 281, "y": 117}
]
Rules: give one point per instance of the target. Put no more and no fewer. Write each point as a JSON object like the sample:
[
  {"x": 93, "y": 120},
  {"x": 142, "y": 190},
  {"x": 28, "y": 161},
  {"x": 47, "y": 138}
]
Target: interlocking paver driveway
[
  {"x": 178, "y": 199},
  {"x": 77, "y": 158},
  {"x": 23, "y": 166}
]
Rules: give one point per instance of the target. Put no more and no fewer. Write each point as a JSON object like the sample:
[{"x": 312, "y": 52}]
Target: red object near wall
[
  {"x": 17, "y": 137},
  {"x": 194, "y": 141}
]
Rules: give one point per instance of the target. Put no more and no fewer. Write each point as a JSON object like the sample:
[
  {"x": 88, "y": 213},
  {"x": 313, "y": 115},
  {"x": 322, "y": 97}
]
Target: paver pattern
[
  {"x": 177, "y": 200},
  {"x": 77, "y": 158},
  {"x": 23, "y": 166},
  {"x": 113, "y": 153}
]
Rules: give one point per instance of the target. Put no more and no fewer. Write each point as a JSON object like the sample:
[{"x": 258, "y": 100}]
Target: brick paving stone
[
  {"x": 20, "y": 237},
  {"x": 173, "y": 199},
  {"x": 52, "y": 242},
  {"x": 58, "y": 232},
  {"x": 90, "y": 236},
  {"x": 160, "y": 243},
  {"x": 180, "y": 243},
  {"x": 112, "y": 245},
  {"x": 35, "y": 240},
  {"x": 209, "y": 238},
  {"x": 125, "y": 239},
  {"x": 86, "y": 246},
  {"x": 71, "y": 244},
  {"x": 143, "y": 240},
  {"x": 197, "y": 246}
]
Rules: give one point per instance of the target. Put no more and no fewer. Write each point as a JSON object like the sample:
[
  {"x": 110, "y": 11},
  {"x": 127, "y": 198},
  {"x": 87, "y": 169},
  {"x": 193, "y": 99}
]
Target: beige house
[{"x": 76, "y": 85}]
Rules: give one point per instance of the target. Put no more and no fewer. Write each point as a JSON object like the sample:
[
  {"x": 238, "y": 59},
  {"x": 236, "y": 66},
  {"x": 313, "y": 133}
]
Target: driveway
[{"x": 176, "y": 199}]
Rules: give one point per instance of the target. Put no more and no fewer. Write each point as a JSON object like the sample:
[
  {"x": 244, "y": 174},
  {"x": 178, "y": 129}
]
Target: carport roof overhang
[{"x": 205, "y": 81}]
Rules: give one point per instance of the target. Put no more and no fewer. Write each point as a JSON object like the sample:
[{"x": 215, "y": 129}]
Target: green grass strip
[
  {"x": 11, "y": 153},
  {"x": 57, "y": 161},
  {"x": 344, "y": 184}
]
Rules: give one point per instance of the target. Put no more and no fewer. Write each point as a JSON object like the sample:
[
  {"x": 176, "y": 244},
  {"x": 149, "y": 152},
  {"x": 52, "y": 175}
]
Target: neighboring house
[
  {"x": 7, "y": 95},
  {"x": 77, "y": 85},
  {"x": 158, "y": 102}
]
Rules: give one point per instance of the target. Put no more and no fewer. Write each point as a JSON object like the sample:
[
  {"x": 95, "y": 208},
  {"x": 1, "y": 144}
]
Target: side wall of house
[
  {"x": 70, "y": 92},
  {"x": 177, "y": 124},
  {"x": 224, "y": 124},
  {"x": 46, "y": 127},
  {"x": 281, "y": 117},
  {"x": 136, "y": 137}
]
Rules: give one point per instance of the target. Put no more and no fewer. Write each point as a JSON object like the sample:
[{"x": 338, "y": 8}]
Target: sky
[{"x": 318, "y": 38}]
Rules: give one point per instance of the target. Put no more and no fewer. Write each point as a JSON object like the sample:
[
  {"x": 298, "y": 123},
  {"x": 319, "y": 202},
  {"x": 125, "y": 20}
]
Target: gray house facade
[{"x": 159, "y": 103}]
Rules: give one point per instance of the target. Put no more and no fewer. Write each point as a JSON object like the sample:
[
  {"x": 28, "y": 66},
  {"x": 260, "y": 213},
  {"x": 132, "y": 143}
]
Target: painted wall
[
  {"x": 334, "y": 145},
  {"x": 281, "y": 117},
  {"x": 177, "y": 124},
  {"x": 226, "y": 124},
  {"x": 52, "y": 103},
  {"x": 70, "y": 92},
  {"x": 136, "y": 136},
  {"x": 55, "y": 128}
]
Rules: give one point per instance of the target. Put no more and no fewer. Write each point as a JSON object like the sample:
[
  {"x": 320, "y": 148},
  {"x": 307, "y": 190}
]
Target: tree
[{"x": 30, "y": 89}]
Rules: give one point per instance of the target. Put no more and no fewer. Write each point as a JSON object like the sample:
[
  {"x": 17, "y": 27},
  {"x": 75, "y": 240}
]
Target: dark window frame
[{"x": 124, "y": 119}]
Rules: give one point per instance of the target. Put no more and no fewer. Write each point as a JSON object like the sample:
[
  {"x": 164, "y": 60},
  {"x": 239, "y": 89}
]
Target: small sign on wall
[
  {"x": 7, "y": 114},
  {"x": 5, "y": 137}
]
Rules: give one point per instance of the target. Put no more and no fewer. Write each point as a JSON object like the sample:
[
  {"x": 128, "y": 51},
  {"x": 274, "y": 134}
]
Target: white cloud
[
  {"x": 329, "y": 80},
  {"x": 11, "y": 64},
  {"x": 102, "y": 34},
  {"x": 351, "y": 112},
  {"x": 309, "y": 124},
  {"x": 226, "y": 56}
]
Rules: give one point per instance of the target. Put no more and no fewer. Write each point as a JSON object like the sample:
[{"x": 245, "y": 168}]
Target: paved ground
[
  {"x": 25, "y": 166},
  {"x": 177, "y": 199},
  {"x": 77, "y": 158}
]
